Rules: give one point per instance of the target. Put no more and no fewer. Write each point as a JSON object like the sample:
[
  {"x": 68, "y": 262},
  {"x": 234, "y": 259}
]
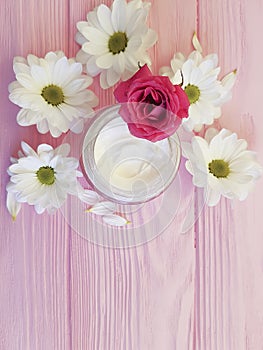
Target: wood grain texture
[
  {"x": 35, "y": 255},
  {"x": 59, "y": 291},
  {"x": 229, "y": 259}
]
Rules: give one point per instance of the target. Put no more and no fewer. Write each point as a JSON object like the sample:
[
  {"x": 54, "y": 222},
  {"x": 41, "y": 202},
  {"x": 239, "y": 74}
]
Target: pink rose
[{"x": 151, "y": 105}]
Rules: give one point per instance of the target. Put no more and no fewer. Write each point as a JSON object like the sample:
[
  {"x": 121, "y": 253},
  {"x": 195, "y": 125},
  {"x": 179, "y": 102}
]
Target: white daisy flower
[
  {"x": 198, "y": 76},
  {"x": 115, "y": 40},
  {"x": 223, "y": 166},
  {"x": 52, "y": 93},
  {"x": 43, "y": 178}
]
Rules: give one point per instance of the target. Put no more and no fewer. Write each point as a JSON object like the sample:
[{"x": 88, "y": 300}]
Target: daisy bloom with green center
[
  {"x": 114, "y": 40},
  {"x": 42, "y": 178},
  {"x": 52, "y": 93},
  {"x": 222, "y": 165},
  {"x": 198, "y": 76}
]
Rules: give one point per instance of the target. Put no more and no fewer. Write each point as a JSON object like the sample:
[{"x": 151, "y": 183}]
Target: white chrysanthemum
[
  {"x": 115, "y": 40},
  {"x": 223, "y": 166},
  {"x": 199, "y": 78},
  {"x": 43, "y": 178},
  {"x": 52, "y": 93}
]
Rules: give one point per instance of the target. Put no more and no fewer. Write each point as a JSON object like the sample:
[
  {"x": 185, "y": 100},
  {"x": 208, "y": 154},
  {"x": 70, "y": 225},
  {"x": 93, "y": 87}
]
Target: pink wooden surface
[{"x": 58, "y": 291}]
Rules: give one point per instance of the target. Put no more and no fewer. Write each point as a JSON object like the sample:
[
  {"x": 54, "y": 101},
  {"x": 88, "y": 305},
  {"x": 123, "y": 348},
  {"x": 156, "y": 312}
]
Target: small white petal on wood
[
  {"x": 115, "y": 220},
  {"x": 89, "y": 197},
  {"x": 102, "y": 208},
  {"x": 12, "y": 205}
]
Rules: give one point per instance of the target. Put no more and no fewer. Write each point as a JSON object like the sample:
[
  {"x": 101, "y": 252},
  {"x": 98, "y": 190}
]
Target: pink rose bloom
[{"x": 151, "y": 105}]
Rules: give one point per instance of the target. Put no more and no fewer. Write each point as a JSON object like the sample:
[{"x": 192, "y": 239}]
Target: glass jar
[{"x": 123, "y": 168}]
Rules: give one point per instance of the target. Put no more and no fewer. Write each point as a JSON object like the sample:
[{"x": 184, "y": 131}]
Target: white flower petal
[
  {"x": 118, "y": 16},
  {"x": 134, "y": 43},
  {"x": 27, "y": 82},
  {"x": 44, "y": 148},
  {"x": 95, "y": 36},
  {"x": 202, "y": 72},
  {"x": 104, "y": 17},
  {"x": 32, "y": 60},
  {"x": 26, "y": 117},
  {"x": 196, "y": 43},
  {"x": 150, "y": 38},
  {"x": 63, "y": 150},
  {"x": 212, "y": 197},
  {"x": 21, "y": 68},
  {"x": 42, "y": 126},
  {"x": 115, "y": 220},
  {"x": 129, "y": 18},
  {"x": 119, "y": 63},
  {"x": 103, "y": 208},
  {"x": 40, "y": 76},
  {"x": 28, "y": 187},
  {"x": 89, "y": 197},
  {"x": 229, "y": 80},
  {"x": 223, "y": 146},
  {"x": 210, "y": 133},
  {"x": 112, "y": 77},
  {"x": 39, "y": 209},
  {"x": 65, "y": 74},
  {"x": 95, "y": 49},
  {"x": 28, "y": 151},
  {"x": 105, "y": 61},
  {"x": 12, "y": 205},
  {"x": 92, "y": 67},
  {"x": 77, "y": 126}
]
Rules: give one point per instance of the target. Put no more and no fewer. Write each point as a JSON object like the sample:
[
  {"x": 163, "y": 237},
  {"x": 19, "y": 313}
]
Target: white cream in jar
[{"x": 125, "y": 168}]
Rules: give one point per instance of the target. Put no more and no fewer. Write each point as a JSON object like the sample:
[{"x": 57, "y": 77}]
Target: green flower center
[
  {"x": 46, "y": 175},
  {"x": 219, "y": 168},
  {"x": 118, "y": 42},
  {"x": 53, "y": 95},
  {"x": 192, "y": 92}
]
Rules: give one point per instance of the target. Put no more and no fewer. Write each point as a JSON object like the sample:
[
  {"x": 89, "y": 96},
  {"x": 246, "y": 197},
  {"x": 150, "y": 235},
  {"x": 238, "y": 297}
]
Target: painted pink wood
[
  {"x": 58, "y": 291},
  {"x": 229, "y": 258}
]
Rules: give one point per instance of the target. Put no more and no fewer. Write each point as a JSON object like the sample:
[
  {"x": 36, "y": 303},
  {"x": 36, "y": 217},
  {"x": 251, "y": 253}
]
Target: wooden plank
[
  {"x": 142, "y": 297},
  {"x": 228, "y": 277},
  {"x": 34, "y": 257},
  {"x": 59, "y": 291}
]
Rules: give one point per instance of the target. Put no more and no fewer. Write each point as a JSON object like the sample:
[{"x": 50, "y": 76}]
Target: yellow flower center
[
  {"x": 192, "y": 92},
  {"x": 46, "y": 175},
  {"x": 118, "y": 42},
  {"x": 219, "y": 168},
  {"x": 53, "y": 95}
]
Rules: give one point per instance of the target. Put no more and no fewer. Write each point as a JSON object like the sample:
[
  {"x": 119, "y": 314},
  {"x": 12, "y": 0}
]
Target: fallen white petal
[
  {"x": 103, "y": 208},
  {"x": 89, "y": 197},
  {"x": 115, "y": 220},
  {"x": 12, "y": 205}
]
